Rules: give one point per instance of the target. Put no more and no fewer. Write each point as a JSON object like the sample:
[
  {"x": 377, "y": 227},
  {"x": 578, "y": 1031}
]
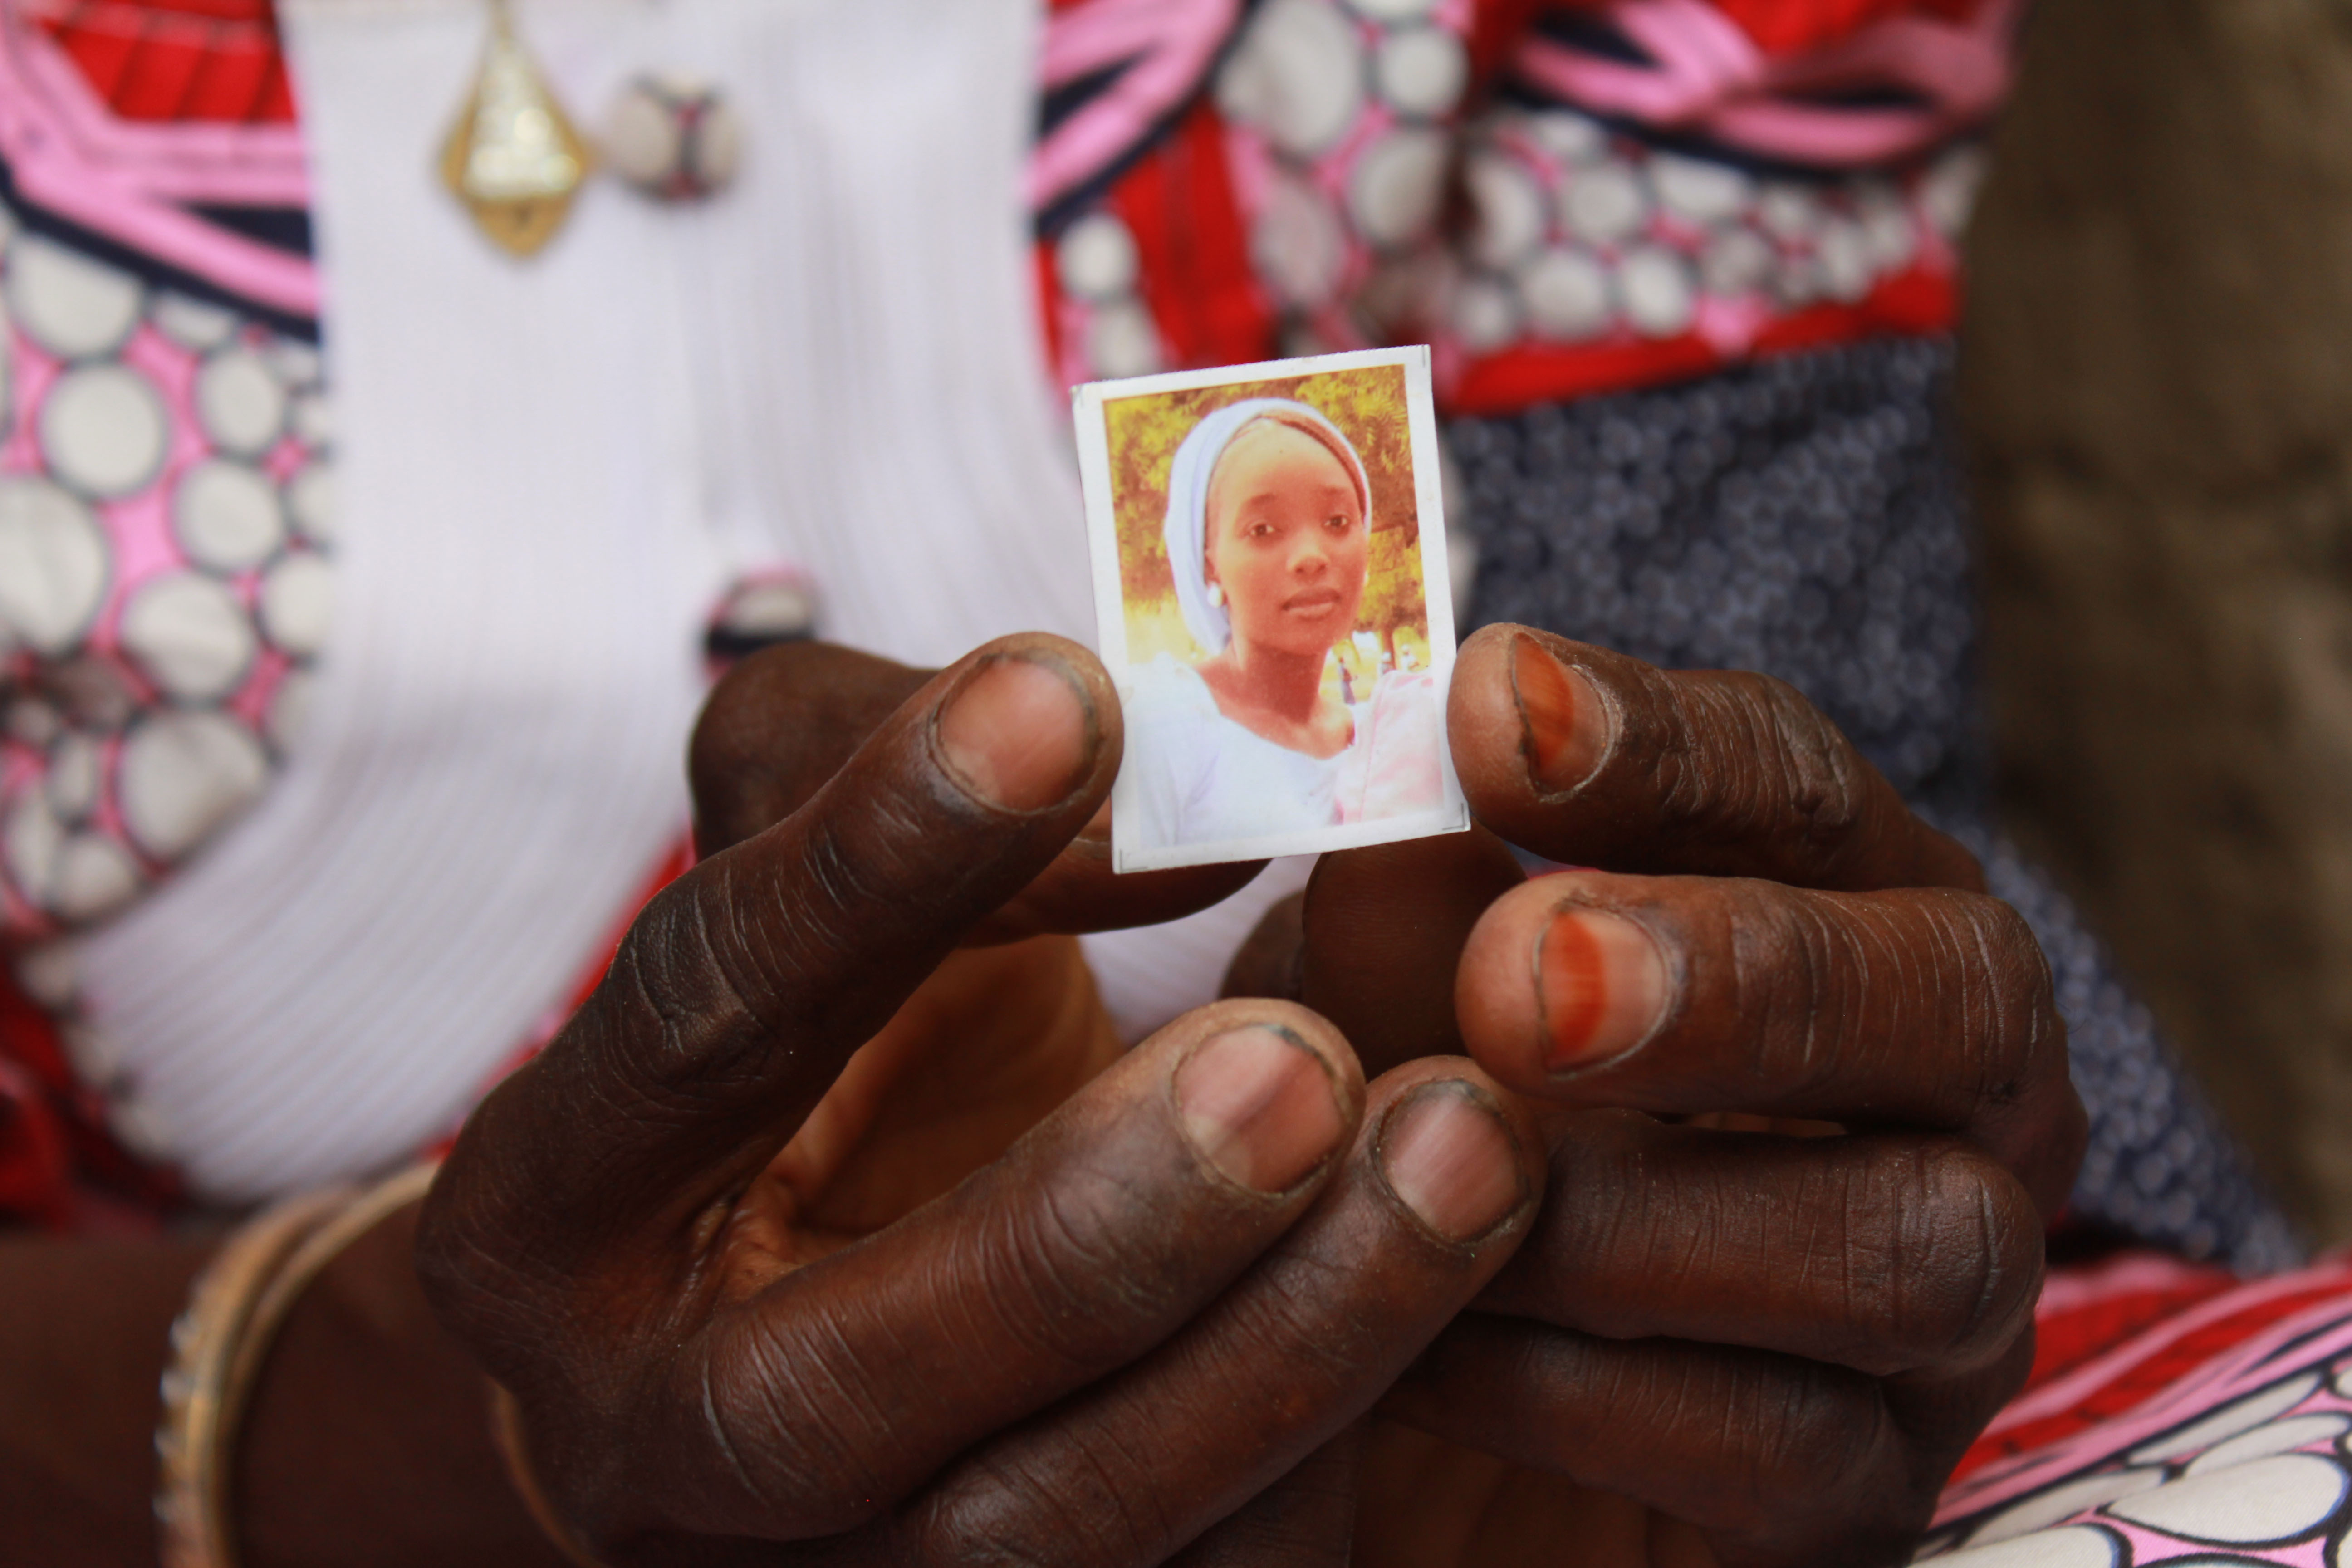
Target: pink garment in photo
[{"x": 1395, "y": 767}]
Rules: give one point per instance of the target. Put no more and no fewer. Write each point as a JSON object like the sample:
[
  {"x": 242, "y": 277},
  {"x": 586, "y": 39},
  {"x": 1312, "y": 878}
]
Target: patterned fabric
[
  {"x": 1805, "y": 517},
  {"x": 1653, "y": 188},
  {"x": 165, "y": 516},
  {"x": 2216, "y": 1434},
  {"x": 175, "y": 61},
  {"x": 214, "y": 207}
]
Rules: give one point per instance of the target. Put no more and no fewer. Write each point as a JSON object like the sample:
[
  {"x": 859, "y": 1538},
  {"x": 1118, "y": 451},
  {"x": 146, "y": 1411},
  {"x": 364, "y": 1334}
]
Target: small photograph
[{"x": 1270, "y": 576}]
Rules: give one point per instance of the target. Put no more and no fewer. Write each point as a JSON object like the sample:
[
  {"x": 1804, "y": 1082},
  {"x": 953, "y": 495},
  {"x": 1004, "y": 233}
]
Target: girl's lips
[{"x": 1314, "y": 601}]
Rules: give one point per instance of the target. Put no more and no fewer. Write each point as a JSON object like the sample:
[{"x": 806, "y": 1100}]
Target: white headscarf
[{"x": 1187, "y": 532}]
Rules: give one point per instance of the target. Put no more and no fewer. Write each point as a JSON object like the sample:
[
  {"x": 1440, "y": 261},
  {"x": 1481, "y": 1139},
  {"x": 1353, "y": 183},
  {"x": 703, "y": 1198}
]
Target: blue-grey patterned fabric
[{"x": 1805, "y": 516}]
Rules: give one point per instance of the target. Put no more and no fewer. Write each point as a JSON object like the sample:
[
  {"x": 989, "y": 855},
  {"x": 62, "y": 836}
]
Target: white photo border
[{"x": 1453, "y": 814}]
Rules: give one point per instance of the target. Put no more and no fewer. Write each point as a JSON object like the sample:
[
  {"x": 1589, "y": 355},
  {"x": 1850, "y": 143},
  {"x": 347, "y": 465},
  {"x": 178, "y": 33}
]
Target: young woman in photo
[{"x": 1269, "y": 518}]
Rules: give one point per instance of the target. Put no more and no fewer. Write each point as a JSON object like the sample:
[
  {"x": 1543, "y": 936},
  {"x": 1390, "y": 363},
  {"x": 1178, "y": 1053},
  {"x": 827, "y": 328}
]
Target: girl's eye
[
  {"x": 1261, "y": 530},
  {"x": 1338, "y": 522}
]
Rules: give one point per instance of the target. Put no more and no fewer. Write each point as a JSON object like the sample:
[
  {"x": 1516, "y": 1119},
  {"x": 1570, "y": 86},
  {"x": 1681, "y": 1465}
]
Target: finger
[
  {"x": 1306, "y": 1519},
  {"x": 1780, "y": 1461},
  {"x": 1383, "y": 931},
  {"x": 742, "y": 988},
  {"x": 1436, "y": 1192},
  {"x": 777, "y": 726},
  {"x": 783, "y": 721},
  {"x": 1267, "y": 963},
  {"x": 1079, "y": 892},
  {"x": 1921, "y": 1007},
  {"x": 811, "y": 1404},
  {"x": 1595, "y": 758},
  {"x": 1919, "y": 1252}
]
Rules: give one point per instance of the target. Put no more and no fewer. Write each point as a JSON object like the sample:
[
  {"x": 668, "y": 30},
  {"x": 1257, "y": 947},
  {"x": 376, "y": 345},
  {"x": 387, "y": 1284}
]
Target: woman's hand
[
  {"x": 1773, "y": 1345},
  {"x": 1159, "y": 1302}
]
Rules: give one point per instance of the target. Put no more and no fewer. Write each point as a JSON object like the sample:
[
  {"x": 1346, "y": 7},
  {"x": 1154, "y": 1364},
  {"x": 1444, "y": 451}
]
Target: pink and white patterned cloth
[{"x": 2238, "y": 1457}]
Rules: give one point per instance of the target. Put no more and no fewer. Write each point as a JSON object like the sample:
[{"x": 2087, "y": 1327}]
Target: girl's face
[{"x": 1286, "y": 541}]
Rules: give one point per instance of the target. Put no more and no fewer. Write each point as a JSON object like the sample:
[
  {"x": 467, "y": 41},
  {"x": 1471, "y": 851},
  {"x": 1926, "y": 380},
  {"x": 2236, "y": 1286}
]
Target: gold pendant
[{"x": 513, "y": 157}]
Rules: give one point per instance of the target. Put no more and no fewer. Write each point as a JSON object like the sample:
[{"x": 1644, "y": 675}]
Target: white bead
[
  {"x": 68, "y": 303},
  {"x": 296, "y": 601},
  {"x": 717, "y": 146},
  {"x": 1122, "y": 341},
  {"x": 1656, "y": 287},
  {"x": 1422, "y": 71},
  {"x": 311, "y": 417},
  {"x": 1843, "y": 252},
  {"x": 767, "y": 612},
  {"x": 182, "y": 775},
  {"x": 1604, "y": 203},
  {"x": 2281, "y": 1436},
  {"x": 1789, "y": 212},
  {"x": 227, "y": 515},
  {"x": 2242, "y": 1415},
  {"x": 2043, "y": 1509},
  {"x": 2264, "y": 1500},
  {"x": 673, "y": 136},
  {"x": 190, "y": 635},
  {"x": 195, "y": 325},
  {"x": 1486, "y": 314},
  {"x": 1887, "y": 226},
  {"x": 293, "y": 362},
  {"x": 1298, "y": 243},
  {"x": 74, "y": 777},
  {"x": 1797, "y": 281},
  {"x": 103, "y": 430},
  {"x": 289, "y": 709},
  {"x": 1507, "y": 208},
  {"x": 95, "y": 876},
  {"x": 1397, "y": 186},
  {"x": 310, "y": 497},
  {"x": 30, "y": 842},
  {"x": 239, "y": 405},
  {"x": 2076, "y": 1546},
  {"x": 641, "y": 137},
  {"x": 1947, "y": 192},
  {"x": 1298, "y": 75},
  {"x": 1568, "y": 294},
  {"x": 1737, "y": 261},
  {"x": 1699, "y": 191},
  {"x": 1393, "y": 12},
  {"x": 1569, "y": 137},
  {"x": 1095, "y": 258},
  {"x": 53, "y": 564}
]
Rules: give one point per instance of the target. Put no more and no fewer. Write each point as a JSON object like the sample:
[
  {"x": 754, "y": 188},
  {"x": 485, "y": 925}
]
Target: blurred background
[{"x": 2158, "y": 397}]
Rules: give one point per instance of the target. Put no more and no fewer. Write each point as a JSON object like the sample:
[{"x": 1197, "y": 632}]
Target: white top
[
  {"x": 546, "y": 472},
  {"x": 1202, "y": 778}
]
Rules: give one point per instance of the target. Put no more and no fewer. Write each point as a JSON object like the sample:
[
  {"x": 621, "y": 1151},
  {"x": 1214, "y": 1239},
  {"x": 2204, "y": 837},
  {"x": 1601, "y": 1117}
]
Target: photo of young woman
[{"x": 1282, "y": 715}]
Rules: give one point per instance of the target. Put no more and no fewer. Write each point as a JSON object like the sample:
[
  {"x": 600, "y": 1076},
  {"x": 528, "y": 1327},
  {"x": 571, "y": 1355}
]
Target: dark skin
[{"x": 750, "y": 1288}]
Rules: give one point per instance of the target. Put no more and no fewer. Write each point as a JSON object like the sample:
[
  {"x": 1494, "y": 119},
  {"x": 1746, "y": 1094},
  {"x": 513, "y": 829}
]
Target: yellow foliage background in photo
[{"x": 1369, "y": 407}]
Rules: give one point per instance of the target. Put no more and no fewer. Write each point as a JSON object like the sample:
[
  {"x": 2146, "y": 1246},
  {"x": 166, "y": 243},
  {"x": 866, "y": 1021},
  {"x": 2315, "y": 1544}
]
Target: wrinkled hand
[
  {"x": 1719, "y": 1346},
  {"x": 1142, "y": 1325}
]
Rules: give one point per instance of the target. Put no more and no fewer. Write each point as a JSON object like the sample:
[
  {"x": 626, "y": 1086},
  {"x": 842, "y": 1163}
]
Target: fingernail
[
  {"x": 1017, "y": 734},
  {"x": 1446, "y": 1153},
  {"x": 1259, "y": 1105},
  {"x": 1601, "y": 986},
  {"x": 1567, "y": 725}
]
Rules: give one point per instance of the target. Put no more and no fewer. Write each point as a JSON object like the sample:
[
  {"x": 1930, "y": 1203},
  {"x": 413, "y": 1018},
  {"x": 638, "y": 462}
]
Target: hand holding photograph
[{"x": 1270, "y": 574}]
